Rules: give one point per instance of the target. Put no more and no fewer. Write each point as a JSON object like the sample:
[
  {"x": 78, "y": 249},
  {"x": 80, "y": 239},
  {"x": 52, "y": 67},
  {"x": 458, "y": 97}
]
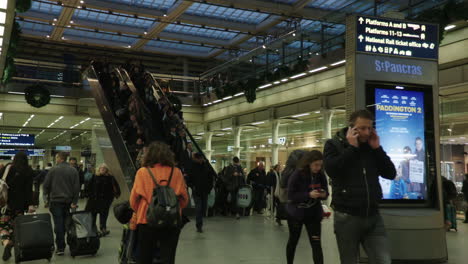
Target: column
[
  {"x": 237, "y": 148},
  {"x": 186, "y": 71},
  {"x": 327, "y": 115},
  {"x": 208, "y": 150},
  {"x": 274, "y": 139}
]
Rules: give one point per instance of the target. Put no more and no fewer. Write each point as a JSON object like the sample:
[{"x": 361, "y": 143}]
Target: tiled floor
[{"x": 251, "y": 240}]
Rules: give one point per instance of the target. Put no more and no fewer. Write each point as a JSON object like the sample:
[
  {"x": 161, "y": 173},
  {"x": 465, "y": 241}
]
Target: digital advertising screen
[
  {"x": 7, "y": 139},
  {"x": 400, "y": 121}
]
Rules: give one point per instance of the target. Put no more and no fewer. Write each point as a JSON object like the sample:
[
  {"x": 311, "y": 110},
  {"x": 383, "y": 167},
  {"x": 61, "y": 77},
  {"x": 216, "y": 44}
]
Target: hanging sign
[{"x": 397, "y": 38}]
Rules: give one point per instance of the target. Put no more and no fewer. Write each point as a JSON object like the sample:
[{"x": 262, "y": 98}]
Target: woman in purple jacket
[{"x": 307, "y": 186}]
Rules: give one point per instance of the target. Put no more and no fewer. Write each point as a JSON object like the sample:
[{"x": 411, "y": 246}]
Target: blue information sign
[
  {"x": 392, "y": 37},
  {"x": 16, "y": 139},
  {"x": 29, "y": 152}
]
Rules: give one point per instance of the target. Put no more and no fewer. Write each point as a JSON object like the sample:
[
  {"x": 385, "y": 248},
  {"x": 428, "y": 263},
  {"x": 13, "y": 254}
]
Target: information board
[
  {"x": 397, "y": 38},
  {"x": 29, "y": 152},
  {"x": 16, "y": 139}
]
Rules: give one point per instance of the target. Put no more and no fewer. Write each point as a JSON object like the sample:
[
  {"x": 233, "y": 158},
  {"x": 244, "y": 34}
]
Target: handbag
[{"x": 123, "y": 212}]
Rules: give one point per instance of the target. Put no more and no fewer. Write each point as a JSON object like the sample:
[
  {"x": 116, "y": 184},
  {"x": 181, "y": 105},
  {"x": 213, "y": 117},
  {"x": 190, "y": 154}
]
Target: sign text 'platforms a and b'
[{"x": 397, "y": 38}]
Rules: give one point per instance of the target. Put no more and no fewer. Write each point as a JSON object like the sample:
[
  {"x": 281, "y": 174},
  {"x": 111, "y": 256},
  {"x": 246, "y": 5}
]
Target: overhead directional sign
[
  {"x": 397, "y": 38},
  {"x": 16, "y": 139}
]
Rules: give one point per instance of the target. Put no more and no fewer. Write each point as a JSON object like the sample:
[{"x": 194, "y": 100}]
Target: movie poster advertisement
[{"x": 400, "y": 125}]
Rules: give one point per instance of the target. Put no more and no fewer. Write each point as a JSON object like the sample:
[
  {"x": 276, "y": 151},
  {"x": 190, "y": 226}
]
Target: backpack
[
  {"x": 163, "y": 210},
  {"x": 4, "y": 187}
]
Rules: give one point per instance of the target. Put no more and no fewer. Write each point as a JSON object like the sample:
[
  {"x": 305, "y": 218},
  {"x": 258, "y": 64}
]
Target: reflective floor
[{"x": 250, "y": 240}]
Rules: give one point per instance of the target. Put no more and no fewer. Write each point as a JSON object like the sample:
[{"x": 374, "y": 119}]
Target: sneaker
[
  {"x": 60, "y": 252},
  {"x": 7, "y": 252}
]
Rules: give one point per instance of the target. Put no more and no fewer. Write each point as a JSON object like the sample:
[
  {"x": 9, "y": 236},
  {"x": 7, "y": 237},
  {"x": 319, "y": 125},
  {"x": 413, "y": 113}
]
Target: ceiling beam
[
  {"x": 158, "y": 14},
  {"x": 173, "y": 13},
  {"x": 64, "y": 18},
  {"x": 296, "y": 10},
  {"x": 270, "y": 22}
]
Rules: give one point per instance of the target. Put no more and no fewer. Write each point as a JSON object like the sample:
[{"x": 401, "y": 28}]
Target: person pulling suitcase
[{"x": 62, "y": 186}]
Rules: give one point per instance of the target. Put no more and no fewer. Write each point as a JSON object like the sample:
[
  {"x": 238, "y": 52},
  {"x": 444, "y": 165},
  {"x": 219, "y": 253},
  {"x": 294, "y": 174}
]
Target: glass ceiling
[
  {"x": 115, "y": 18},
  {"x": 177, "y": 46},
  {"x": 201, "y": 19},
  {"x": 226, "y": 13},
  {"x": 46, "y": 8},
  {"x": 208, "y": 32},
  {"x": 36, "y": 28},
  {"x": 91, "y": 36}
]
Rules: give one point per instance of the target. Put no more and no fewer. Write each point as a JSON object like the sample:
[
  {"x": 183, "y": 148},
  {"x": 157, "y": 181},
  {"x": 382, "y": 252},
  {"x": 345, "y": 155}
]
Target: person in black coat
[
  {"x": 103, "y": 188},
  {"x": 258, "y": 179},
  {"x": 201, "y": 181},
  {"x": 465, "y": 195},
  {"x": 18, "y": 175}
]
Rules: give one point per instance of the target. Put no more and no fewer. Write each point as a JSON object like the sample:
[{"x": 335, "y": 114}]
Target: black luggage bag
[
  {"x": 82, "y": 235},
  {"x": 34, "y": 237}
]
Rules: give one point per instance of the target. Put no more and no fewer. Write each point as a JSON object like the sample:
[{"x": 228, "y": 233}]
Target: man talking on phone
[{"x": 354, "y": 160}]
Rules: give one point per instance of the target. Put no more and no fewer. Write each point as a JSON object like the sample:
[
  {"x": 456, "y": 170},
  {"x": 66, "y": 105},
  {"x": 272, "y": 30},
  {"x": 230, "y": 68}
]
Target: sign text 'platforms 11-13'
[{"x": 397, "y": 38}]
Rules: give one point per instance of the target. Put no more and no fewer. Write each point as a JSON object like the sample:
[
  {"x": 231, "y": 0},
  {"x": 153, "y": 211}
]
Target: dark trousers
[
  {"x": 149, "y": 239},
  {"x": 60, "y": 213},
  {"x": 201, "y": 204},
  {"x": 259, "y": 199},
  {"x": 233, "y": 204},
  {"x": 103, "y": 215},
  {"x": 314, "y": 230},
  {"x": 350, "y": 231}
]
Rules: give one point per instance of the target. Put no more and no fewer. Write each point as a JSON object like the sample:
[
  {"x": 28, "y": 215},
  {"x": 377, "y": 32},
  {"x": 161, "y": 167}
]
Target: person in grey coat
[{"x": 62, "y": 186}]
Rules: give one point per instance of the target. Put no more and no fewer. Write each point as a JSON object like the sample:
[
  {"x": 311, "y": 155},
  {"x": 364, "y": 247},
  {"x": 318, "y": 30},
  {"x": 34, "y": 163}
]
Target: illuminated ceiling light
[
  {"x": 58, "y": 96},
  {"x": 239, "y": 94},
  {"x": 298, "y": 75},
  {"x": 217, "y": 101},
  {"x": 258, "y": 123},
  {"x": 53, "y": 24},
  {"x": 186, "y": 105},
  {"x": 227, "y": 97},
  {"x": 55, "y": 19},
  {"x": 316, "y": 53},
  {"x": 129, "y": 46},
  {"x": 68, "y": 26},
  {"x": 1, "y": 115},
  {"x": 294, "y": 34},
  {"x": 449, "y": 27},
  {"x": 299, "y": 115},
  {"x": 48, "y": 36},
  {"x": 399, "y": 87},
  {"x": 2, "y": 30},
  {"x": 79, "y": 7},
  {"x": 165, "y": 15},
  {"x": 81, "y": 2},
  {"x": 145, "y": 33},
  {"x": 317, "y": 112},
  {"x": 63, "y": 38},
  {"x": 277, "y": 82},
  {"x": 449, "y": 129},
  {"x": 263, "y": 46},
  {"x": 227, "y": 128},
  {"x": 318, "y": 69},
  {"x": 265, "y": 86},
  {"x": 15, "y": 93},
  {"x": 338, "y": 63},
  {"x": 3, "y": 4},
  {"x": 71, "y": 22},
  {"x": 205, "y": 104},
  {"x": 285, "y": 80},
  {"x": 452, "y": 140}
]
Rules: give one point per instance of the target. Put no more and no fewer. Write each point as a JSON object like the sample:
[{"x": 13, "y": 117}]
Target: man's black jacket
[
  {"x": 201, "y": 178},
  {"x": 355, "y": 175}
]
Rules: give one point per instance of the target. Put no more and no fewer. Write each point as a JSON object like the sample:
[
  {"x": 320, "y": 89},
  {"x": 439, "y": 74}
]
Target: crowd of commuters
[{"x": 353, "y": 159}]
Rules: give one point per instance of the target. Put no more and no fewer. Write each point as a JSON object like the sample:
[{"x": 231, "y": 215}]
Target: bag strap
[
  {"x": 5, "y": 173},
  {"x": 152, "y": 177}
]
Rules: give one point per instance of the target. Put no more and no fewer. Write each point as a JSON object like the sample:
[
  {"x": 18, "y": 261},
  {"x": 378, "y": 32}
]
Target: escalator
[{"x": 135, "y": 110}]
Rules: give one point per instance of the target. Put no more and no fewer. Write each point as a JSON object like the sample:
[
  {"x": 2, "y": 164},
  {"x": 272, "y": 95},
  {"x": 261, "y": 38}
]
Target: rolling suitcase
[
  {"x": 34, "y": 237},
  {"x": 82, "y": 236}
]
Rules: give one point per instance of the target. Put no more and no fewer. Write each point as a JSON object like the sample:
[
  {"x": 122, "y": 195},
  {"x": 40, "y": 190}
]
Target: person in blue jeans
[
  {"x": 200, "y": 179},
  {"x": 62, "y": 186},
  {"x": 354, "y": 160}
]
